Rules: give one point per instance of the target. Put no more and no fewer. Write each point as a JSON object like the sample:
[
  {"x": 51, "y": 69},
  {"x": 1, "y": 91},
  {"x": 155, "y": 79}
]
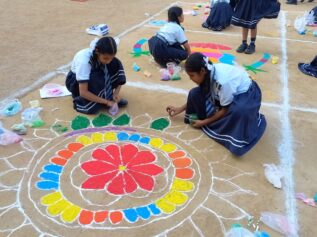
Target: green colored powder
[
  {"x": 37, "y": 123},
  {"x": 80, "y": 122},
  {"x": 124, "y": 119},
  {"x": 160, "y": 124},
  {"x": 101, "y": 120},
  {"x": 59, "y": 128}
]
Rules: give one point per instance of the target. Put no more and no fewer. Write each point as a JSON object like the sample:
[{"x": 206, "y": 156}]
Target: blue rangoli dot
[
  {"x": 154, "y": 209},
  {"x": 47, "y": 185},
  {"x": 122, "y": 136},
  {"x": 143, "y": 212},
  {"x": 130, "y": 215},
  {"x": 50, "y": 176},
  {"x": 53, "y": 168},
  {"x": 145, "y": 140},
  {"x": 134, "y": 137}
]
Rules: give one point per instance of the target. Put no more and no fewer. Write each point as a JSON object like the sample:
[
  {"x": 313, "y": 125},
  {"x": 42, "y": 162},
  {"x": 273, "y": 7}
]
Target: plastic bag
[
  {"x": 273, "y": 174},
  {"x": 10, "y": 108},
  {"x": 278, "y": 223},
  {"x": 114, "y": 109},
  {"x": 239, "y": 232},
  {"x": 7, "y": 137},
  {"x": 300, "y": 24},
  {"x": 31, "y": 117}
]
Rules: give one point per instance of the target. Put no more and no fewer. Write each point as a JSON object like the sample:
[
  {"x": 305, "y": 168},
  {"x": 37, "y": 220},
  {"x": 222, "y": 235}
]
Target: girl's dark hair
[
  {"x": 195, "y": 62},
  {"x": 173, "y": 14},
  {"x": 105, "y": 45}
]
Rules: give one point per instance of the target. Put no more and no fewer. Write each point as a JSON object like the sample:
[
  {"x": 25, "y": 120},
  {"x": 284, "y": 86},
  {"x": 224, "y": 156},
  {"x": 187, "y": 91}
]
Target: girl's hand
[
  {"x": 173, "y": 111},
  {"x": 116, "y": 98},
  {"x": 198, "y": 123},
  {"x": 110, "y": 103}
]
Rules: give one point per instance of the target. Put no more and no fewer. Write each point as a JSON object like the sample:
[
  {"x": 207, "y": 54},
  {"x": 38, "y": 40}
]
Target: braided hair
[
  {"x": 196, "y": 62},
  {"x": 173, "y": 14},
  {"x": 105, "y": 45}
]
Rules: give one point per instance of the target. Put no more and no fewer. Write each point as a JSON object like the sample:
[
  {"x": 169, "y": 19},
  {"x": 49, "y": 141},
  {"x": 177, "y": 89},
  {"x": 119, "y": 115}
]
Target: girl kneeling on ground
[
  {"x": 96, "y": 77},
  {"x": 225, "y": 104}
]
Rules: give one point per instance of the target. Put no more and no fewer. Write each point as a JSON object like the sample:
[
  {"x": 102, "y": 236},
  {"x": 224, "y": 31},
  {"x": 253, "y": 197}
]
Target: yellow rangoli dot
[
  {"x": 165, "y": 207},
  {"x": 97, "y": 137},
  {"x": 58, "y": 207},
  {"x": 110, "y": 136},
  {"x": 156, "y": 142},
  {"x": 168, "y": 147},
  {"x": 122, "y": 168},
  {"x": 51, "y": 198},
  {"x": 182, "y": 185},
  {"x": 70, "y": 214},
  {"x": 176, "y": 197},
  {"x": 84, "y": 140}
]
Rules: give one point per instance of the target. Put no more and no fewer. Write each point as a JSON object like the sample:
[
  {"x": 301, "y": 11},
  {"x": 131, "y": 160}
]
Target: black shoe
[
  {"x": 122, "y": 103},
  {"x": 250, "y": 49},
  {"x": 302, "y": 0},
  {"x": 205, "y": 25},
  {"x": 292, "y": 3},
  {"x": 310, "y": 0},
  {"x": 242, "y": 48}
]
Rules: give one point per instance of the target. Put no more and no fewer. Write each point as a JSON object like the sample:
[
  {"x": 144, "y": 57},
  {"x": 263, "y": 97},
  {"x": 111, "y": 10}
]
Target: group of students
[{"x": 226, "y": 102}]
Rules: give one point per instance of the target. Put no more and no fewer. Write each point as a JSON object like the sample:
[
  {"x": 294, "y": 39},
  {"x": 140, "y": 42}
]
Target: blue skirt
[
  {"x": 164, "y": 53},
  {"x": 243, "y": 125},
  {"x": 247, "y": 13},
  {"x": 219, "y": 17}
]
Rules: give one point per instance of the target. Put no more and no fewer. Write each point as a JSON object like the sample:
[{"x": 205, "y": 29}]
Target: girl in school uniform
[
  {"x": 220, "y": 15},
  {"x": 226, "y": 104},
  {"x": 96, "y": 77},
  {"x": 170, "y": 43},
  {"x": 247, "y": 14}
]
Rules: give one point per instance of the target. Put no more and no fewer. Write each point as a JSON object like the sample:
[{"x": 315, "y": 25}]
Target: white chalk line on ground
[
  {"x": 237, "y": 35},
  {"x": 285, "y": 149}
]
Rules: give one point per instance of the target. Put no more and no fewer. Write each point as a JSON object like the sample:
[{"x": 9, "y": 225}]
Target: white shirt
[
  {"x": 81, "y": 66},
  {"x": 233, "y": 80},
  {"x": 173, "y": 33}
]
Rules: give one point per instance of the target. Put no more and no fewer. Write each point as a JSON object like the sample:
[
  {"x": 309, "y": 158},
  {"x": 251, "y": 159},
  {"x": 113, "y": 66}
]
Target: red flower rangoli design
[{"x": 121, "y": 169}]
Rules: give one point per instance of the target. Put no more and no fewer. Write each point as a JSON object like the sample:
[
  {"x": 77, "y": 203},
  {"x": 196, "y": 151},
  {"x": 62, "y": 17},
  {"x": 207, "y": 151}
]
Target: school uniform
[
  {"x": 166, "y": 45},
  {"x": 247, "y": 13},
  {"x": 101, "y": 79},
  {"x": 220, "y": 15},
  {"x": 228, "y": 86}
]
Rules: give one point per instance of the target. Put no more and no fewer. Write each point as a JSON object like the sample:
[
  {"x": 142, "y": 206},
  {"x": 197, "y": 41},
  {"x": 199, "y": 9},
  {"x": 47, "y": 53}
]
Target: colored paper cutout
[
  {"x": 160, "y": 124},
  {"x": 80, "y": 122},
  {"x": 124, "y": 119},
  {"x": 101, "y": 120}
]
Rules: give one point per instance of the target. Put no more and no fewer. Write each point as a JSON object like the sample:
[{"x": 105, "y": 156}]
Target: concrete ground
[{"x": 39, "y": 39}]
